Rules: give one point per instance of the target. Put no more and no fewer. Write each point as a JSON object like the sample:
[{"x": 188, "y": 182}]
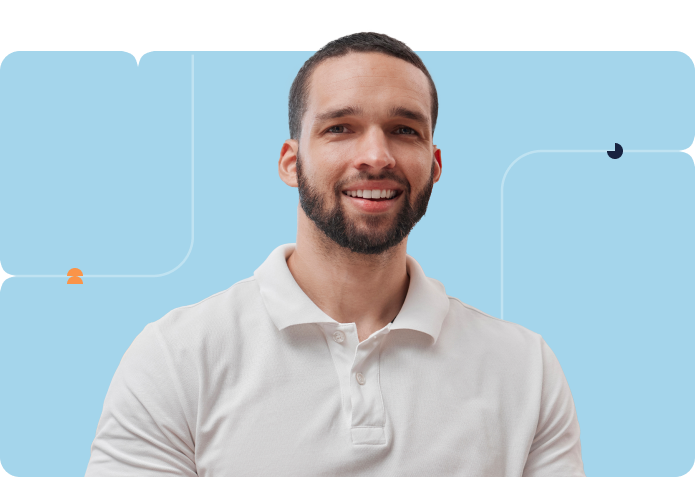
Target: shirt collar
[{"x": 424, "y": 309}]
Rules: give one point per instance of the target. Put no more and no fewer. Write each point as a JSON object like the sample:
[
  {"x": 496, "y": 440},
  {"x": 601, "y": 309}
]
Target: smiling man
[{"x": 339, "y": 356}]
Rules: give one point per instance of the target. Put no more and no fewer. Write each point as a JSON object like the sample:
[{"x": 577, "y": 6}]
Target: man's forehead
[
  {"x": 368, "y": 66},
  {"x": 356, "y": 75}
]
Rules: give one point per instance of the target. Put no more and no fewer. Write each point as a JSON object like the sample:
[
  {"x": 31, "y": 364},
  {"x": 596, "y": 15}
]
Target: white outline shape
[
  {"x": 502, "y": 204},
  {"x": 4, "y": 275}
]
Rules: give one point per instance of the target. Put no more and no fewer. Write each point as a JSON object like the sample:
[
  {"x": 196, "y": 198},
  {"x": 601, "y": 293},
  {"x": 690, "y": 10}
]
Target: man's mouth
[{"x": 374, "y": 195}]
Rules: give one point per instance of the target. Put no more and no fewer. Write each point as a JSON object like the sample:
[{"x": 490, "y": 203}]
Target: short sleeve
[
  {"x": 556, "y": 449},
  {"x": 143, "y": 430}
]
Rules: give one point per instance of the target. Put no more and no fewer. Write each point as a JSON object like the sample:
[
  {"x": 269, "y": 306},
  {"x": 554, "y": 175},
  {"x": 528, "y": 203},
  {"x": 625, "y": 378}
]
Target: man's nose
[{"x": 373, "y": 151}]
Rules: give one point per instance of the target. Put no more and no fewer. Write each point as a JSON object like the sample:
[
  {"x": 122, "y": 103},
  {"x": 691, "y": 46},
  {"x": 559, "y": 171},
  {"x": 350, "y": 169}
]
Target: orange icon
[{"x": 75, "y": 274}]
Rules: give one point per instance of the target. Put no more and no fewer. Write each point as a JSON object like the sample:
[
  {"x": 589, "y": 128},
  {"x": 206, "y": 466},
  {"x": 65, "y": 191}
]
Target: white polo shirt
[{"x": 257, "y": 381}]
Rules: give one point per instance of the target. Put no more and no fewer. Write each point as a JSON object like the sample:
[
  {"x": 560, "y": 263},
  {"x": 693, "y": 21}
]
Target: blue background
[{"x": 95, "y": 167}]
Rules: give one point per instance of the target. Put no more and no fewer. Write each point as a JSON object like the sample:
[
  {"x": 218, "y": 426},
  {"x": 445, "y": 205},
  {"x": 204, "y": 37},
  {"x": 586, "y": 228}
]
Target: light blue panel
[
  {"x": 599, "y": 259},
  {"x": 496, "y": 106},
  {"x": 95, "y": 154}
]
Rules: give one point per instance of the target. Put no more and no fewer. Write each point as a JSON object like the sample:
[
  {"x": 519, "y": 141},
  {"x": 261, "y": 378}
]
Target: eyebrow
[
  {"x": 339, "y": 113},
  {"x": 394, "y": 112},
  {"x": 402, "y": 112}
]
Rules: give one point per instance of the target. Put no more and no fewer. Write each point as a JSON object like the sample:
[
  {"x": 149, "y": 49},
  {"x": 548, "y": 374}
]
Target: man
[{"x": 339, "y": 356}]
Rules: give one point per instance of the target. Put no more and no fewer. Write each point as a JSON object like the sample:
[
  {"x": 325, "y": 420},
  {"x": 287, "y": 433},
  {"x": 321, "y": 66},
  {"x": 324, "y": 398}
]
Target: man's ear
[
  {"x": 438, "y": 166},
  {"x": 287, "y": 165}
]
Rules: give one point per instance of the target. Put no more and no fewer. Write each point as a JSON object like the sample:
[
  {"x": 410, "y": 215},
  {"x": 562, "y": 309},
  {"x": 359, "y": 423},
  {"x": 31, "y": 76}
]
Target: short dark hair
[{"x": 357, "y": 42}]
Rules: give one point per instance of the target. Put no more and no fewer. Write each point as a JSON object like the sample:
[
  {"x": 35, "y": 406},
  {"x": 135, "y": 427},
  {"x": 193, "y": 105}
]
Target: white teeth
[{"x": 372, "y": 194}]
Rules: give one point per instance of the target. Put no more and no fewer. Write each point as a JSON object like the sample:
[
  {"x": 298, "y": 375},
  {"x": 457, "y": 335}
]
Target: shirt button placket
[{"x": 367, "y": 416}]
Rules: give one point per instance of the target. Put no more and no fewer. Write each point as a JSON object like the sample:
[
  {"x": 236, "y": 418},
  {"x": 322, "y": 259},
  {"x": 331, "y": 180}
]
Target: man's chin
[
  {"x": 372, "y": 239},
  {"x": 371, "y": 220},
  {"x": 374, "y": 227},
  {"x": 368, "y": 245}
]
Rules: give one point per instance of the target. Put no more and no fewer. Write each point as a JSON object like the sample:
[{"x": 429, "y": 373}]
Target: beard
[{"x": 338, "y": 227}]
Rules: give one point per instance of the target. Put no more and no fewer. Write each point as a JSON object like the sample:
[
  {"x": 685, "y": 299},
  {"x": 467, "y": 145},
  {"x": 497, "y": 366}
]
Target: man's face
[{"x": 367, "y": 128}]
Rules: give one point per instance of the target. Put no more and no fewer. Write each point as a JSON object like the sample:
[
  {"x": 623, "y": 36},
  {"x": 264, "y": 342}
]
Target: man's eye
[
  {"x": 407, "y": 131},
  {"x": 336, "y": 129}
]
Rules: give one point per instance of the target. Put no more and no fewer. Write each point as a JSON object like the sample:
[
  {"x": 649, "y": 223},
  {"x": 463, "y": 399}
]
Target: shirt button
[
  {"x": 338, "y": 336},
  {"x": 360, "y": 378}
]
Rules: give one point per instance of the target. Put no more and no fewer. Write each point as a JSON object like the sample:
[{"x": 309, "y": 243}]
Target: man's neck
[{"x": 368, "y": 290}]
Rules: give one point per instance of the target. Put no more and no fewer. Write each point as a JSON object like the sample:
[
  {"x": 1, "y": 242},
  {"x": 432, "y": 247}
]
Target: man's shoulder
[
  {"x": 473, "y": 321},
  {"x": 210, "y": 315}
]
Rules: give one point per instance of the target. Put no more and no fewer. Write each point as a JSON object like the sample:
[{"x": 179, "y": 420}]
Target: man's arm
[
  {"x": 143, "y": 430},
  {"x": 556, "y": 449}
]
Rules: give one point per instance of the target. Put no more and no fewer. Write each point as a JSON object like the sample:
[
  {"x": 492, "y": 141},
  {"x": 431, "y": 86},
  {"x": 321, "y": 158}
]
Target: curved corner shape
[
  {"x": 190, "y": 248},
  {"x": 689, "y": 474},
  {"x": 2, "y": 63},
  {"x": 3, "y": 276},
  {"x": 3, "y": 472},
  {"x": 688, "y": 57},
  {"x": 504, "y": 178},
  {"x": 140, "y": 55},
  {"x": 691, "y": 150}
]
